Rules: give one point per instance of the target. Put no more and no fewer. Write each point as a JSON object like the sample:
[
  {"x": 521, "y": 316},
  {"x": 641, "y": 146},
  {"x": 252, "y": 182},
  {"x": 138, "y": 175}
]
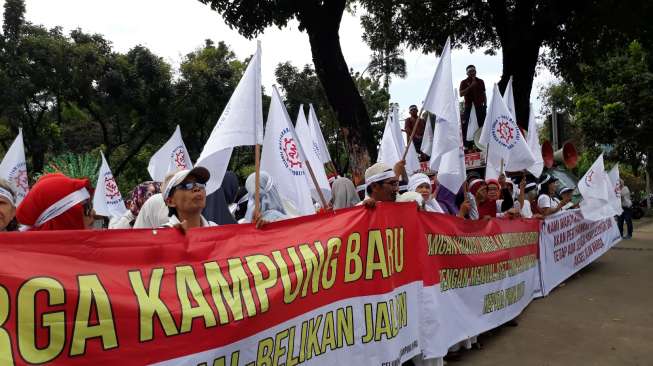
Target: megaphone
[
  {"x": 547, "y": 154},
  {"x": 567, "y": 155}
]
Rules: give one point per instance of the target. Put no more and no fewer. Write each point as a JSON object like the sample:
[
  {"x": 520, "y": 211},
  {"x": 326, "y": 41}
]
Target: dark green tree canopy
[
  {"x": 520, "y": 29},
  {"x": 321, "y": 22}
]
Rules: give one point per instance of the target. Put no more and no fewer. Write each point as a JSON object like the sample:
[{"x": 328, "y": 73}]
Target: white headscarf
[
  {"x": 417, "y": 180},
  {"x": 272, "y": 206},
  {"x": 344, "y": 193},
  {"x": 153, "y": 214}
]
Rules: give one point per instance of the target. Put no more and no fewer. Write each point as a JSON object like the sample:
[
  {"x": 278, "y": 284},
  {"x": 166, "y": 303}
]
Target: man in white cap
[
  {"x": 382, "y": 183},
  {"x": 185, "y": 196}
]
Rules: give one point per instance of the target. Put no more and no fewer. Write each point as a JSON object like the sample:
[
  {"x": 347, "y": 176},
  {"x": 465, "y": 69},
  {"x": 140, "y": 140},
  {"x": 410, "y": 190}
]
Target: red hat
[
  {"x": 55, "y": 202},
  {"x": 475, "y": 185}
]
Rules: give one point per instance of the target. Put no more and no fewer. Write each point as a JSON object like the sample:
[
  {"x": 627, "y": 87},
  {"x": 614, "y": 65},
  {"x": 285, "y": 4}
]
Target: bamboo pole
[
  {"x": 412, "y": 134},
  {"x": 317, "y": 185},
  {"x": 257, "y": 177}
]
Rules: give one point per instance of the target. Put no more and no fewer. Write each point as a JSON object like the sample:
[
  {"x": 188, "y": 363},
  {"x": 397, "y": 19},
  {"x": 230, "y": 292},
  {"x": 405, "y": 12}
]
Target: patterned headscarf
[{"x": 141, "y": 193}]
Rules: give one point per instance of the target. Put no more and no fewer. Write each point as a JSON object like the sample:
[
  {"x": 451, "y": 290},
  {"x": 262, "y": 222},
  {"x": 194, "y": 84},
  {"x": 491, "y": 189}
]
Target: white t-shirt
[
  {"x": 546, "y": 201},
  {"x": 525, "y": 211},
  {"x": 122, "y": 222}
]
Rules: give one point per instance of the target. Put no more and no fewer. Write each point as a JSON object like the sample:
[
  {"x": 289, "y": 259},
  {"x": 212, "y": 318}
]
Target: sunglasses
[{"x": 190, "y": 186}]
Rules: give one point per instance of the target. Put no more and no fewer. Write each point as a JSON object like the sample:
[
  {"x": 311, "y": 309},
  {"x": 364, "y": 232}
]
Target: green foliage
[
  {"x": 75, "y": 165},
  {"x": 303, "y": 87},
  {"x": 72, "y": 95},
  {"x": 614, "y": 104}
]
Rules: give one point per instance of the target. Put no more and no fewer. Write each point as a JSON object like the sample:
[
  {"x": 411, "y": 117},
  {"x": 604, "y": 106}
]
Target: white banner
[
  {"x": 568, "y": 242},
  {"x": 479, "y": 275},
  {"x": 375, "y": 330}
]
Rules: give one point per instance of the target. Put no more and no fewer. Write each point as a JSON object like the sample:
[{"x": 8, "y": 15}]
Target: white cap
[{"x": 200, "y": 173}]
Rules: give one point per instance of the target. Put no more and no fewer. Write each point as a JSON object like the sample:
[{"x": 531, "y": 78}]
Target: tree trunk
[
  {"x": 519, "y": 61},
  {"x": 342, "y": 93}
]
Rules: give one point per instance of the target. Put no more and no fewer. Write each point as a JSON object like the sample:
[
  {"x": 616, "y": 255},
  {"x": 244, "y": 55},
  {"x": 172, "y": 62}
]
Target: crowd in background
[{"x": 57, "y": 202}]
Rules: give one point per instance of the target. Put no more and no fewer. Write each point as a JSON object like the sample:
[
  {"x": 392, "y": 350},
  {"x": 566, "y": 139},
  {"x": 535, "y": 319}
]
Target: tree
[
  {"x": 304, "y": 87},
  {"x": 615, "y": 105},
  {"x": 321, "y": 21},
  {"x": 519, "y": 28},
  {"x": 207, "y": 78},
  {"x": 606, "y": 25},
  {"x": 387, "y": 57}
]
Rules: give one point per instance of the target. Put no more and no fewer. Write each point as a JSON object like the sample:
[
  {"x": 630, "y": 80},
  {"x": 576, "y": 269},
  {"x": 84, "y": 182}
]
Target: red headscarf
[
  {"x": 492, "y": 181},
  {"x": 489, "y": 207},
  {"x": 49, "y": 189}
]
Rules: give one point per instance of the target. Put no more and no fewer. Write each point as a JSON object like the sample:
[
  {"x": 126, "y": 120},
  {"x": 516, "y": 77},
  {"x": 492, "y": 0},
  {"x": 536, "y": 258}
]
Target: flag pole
[
  {"x": 317, "y": 185},
  {"x": 257, "y": 177},
  {"x": 412, "y": 134}
]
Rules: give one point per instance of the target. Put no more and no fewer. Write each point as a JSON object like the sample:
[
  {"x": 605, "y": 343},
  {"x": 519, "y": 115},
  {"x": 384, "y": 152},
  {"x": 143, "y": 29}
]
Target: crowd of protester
[{"x": 58, "y": 202}]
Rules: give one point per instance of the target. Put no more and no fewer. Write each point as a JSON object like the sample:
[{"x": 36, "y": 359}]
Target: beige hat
[{"x": 378, "y": 172}]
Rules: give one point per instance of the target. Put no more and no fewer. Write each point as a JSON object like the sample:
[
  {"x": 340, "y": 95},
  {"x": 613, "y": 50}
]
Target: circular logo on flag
[
  {"x": 589, "y": 177},
  {"x": 316, "y": 148},
  {"x": 504, "y": 133},
  {"x": 179, "y": 157},
  {"x": 111, "y": 191},
  {"x": 18, "y": 176},
  {"x": 289, "y": 152}
]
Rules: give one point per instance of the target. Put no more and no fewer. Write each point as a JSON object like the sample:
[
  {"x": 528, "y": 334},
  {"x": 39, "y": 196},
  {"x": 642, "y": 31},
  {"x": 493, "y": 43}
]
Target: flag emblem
[
  {"x": 18, "y": 176},
  {"x": 179, "y": 157},
  {"x": 111, "y": 190},
  {"x": 504, "y": 133},
  {"x": 289, "y": 152},
  {"x": 589, "y": 177}
]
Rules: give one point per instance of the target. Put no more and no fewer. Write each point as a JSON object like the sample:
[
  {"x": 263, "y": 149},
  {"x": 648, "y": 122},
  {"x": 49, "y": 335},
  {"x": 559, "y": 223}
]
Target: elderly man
[
  {"x": 382, "y": 183},
  {"x": 185, "y": 196}
]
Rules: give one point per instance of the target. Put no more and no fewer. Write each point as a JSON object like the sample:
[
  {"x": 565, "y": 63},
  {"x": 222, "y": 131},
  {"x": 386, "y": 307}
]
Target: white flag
[
  {"x": 441, "y": 101},
  {"x": 615, "y": 191},
  {"x": 241, "y": 124},
  {"x": 400, "y": 142},
  {"x": 491, "y": 171},
  {"x": 389, "y": 152},
  {"x": 533, "y": 141},
  {"x": 472, "y": 124},
  {"x": 509, "y": 98},
  {"x": 171, "y": 157},
  {"x": 504, "y": 139},
  {"x": 283, "y": 160},
  {"x": 451, "y": 172},
  {"x": 13, "y": 168},
  {"x": 427, "y": 141},
  {"x": 107, "y": 200},
  {"x": 305, "y": 139},
  {"x": 319, "y": 144},
  {"x": 594, "y": 186},
  {"x": 392, "y": 137}
]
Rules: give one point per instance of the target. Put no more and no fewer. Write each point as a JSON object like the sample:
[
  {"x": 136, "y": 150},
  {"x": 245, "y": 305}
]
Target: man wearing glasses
[
  {"x": 382, "y": 183},
  {"x": 185, "y": 196}
]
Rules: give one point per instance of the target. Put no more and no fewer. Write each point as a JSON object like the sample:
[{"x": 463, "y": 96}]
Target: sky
[{"x": 173, "y": 28}]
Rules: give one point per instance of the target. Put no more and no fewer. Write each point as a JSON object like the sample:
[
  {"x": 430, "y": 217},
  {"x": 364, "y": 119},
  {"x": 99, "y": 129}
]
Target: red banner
[{"x": 134, "y": 297}]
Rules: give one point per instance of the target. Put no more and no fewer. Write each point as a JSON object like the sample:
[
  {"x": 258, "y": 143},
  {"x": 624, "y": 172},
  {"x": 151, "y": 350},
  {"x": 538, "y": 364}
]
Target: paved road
[{"x": 601, "y": 316}]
